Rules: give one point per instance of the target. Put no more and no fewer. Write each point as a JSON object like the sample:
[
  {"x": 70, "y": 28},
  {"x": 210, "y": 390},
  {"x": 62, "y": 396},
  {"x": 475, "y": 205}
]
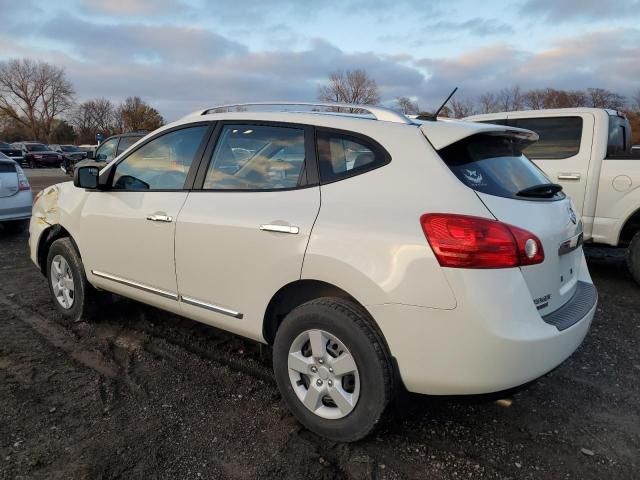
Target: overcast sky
[{"x": 182, "y": 55}]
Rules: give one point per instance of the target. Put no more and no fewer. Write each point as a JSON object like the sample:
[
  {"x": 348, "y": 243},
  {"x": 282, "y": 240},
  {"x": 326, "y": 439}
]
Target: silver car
[{"x": 15, "y": 196}]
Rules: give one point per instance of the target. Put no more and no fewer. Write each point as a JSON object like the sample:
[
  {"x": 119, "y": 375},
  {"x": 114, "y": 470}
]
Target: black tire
[
  {"x": 353, "y": 326},
  {"x": 633, "y": 257},
  {"x": 86, "y": 299},
  {"x": 16, "y": 226}
]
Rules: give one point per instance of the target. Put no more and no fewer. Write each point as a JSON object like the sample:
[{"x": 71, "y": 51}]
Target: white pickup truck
[{"x": 588, "y": 151}]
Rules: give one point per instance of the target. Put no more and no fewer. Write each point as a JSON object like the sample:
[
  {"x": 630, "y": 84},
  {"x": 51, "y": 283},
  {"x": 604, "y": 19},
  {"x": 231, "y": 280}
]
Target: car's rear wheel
[
  {"x": 73, "y": 296},
  {"x": 16, "y": 226},
  {"x": 333, "y": 368},
  {"x": 633, "y": 257}
]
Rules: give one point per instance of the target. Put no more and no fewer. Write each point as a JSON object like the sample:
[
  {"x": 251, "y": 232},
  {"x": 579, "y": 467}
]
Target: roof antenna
[{"x": 434, "y": 116}]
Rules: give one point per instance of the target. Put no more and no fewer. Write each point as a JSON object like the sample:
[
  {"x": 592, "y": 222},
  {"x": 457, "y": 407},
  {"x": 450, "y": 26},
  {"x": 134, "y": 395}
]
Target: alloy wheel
[
  {"x": 323, "y": 374},
  {"x": 62, "y": 282}
]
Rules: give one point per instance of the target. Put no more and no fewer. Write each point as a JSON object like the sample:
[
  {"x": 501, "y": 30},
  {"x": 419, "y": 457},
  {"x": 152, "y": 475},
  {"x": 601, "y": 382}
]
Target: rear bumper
[
  {"x": 16, "y": 207},
  {"x": 494, "y": 340}
]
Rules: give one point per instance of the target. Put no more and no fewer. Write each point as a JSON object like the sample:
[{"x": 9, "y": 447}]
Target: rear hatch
[
  {"x": 518, "y": 193},
  {"x": 8, "y": 178}
]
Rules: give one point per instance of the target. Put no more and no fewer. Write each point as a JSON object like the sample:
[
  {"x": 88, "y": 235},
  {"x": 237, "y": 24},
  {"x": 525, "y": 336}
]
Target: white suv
[{"x": 369, "y": 250}]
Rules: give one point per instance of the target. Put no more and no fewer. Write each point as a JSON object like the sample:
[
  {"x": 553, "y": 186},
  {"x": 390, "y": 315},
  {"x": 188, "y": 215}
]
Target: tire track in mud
[{"x": 60, "y": 338}]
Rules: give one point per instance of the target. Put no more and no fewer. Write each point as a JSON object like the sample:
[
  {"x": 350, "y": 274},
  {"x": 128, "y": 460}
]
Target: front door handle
[
  {"x": 568, "y": 176},
  {"x": 159, "y": 217},
  {"x": 280, "y": 228}
]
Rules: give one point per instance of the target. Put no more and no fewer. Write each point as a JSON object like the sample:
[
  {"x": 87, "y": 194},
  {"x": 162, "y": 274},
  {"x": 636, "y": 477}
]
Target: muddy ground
[{"x": 140, "y": 393}]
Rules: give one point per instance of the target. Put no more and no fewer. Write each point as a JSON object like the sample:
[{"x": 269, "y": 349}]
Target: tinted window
[
  {"x": 343, "y": 155},
  {"x": 69, "y": 148},
  {"x": 255, "y": 157},
  {"x": 161, "y": 164},
  {"x": 126, "y": 142},
  {"x": 619, "y": 142},
  {"x": 559, "y": 136},
  {"x": 493, "y": 164},
  {"x": 4, "y": 145},
  {"x": 107, "y": 151}
]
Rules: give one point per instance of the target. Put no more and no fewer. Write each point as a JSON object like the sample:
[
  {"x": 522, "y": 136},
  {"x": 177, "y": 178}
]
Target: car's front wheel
[
  {"x": 633, "y": 257},
  {"x": 73, "y": 296},
  {"x": 333, "y": 368}
]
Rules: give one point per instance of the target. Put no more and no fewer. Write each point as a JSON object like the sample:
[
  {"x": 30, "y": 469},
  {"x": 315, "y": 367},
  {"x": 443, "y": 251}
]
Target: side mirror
[
  {"x": 86, "y": 177},
  {"x": 90, "y": 154}
]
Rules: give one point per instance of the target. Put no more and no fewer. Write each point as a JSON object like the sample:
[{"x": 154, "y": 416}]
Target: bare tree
[
  {"x": 602, "y": 98},
  {"x": 534, "y": 99},
  {"x": 93, "y": 116},
  {"x": 487, "y": 103},
  {"x": 510, "y": 99},
  {"x": 34, "y": 93},
  {"x": 462, "y": 108},
  {"x": 407, "y": 106},
  {"x": 352, "y": 86},
  {"x": 136, "y": 114}
]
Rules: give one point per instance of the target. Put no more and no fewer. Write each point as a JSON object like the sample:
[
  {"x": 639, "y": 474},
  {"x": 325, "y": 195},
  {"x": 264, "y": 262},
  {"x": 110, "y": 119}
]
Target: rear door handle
[
  {"x": 159, "y": 217},
  {"x": 568, "y": 176},
  {"x": 280, "y": 228}
]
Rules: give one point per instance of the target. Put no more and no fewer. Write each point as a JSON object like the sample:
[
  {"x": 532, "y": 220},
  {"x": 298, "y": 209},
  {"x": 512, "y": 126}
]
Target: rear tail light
[
  {"x": 461, "y": 241},
  {"x": 23, "y": 182}
]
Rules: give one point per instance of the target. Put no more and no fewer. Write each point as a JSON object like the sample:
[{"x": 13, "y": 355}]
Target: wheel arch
[
  {"x": 295, "y": 294},
  {"x": 630, "y": 227},
  {"x": 47, "y": 238}
]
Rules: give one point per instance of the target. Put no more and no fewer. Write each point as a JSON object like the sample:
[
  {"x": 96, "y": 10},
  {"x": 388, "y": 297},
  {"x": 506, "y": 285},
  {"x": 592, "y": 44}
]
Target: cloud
[
  {"x": 175, "y": 45},
  {"x": 607, "y": 58},
  {"x": 477, "y": 26},
  {"x": 567, "y": 10},
  {"x": 132, "y": 7}
]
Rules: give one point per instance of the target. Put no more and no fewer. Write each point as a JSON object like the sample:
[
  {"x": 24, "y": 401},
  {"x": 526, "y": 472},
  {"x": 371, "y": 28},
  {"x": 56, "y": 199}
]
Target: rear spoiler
[{"x": 441, "y": 134}]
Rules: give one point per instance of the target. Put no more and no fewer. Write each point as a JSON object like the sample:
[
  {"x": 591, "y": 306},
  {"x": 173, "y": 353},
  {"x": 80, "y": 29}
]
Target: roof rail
[{"x": 379, "y": 113}]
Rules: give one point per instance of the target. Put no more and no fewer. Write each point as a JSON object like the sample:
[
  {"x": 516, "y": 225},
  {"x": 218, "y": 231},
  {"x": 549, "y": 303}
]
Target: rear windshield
[
  {"x": 7, "y": 167},
  {"x": 494, "y": 165},
  {"x": 69, "y": 148}
]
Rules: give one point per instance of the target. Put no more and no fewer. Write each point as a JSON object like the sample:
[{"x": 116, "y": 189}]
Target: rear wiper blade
[{"x": 544, "y": 190}]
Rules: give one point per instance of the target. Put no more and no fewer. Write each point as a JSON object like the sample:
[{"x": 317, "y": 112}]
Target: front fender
[{"x": 55, "y": 211}]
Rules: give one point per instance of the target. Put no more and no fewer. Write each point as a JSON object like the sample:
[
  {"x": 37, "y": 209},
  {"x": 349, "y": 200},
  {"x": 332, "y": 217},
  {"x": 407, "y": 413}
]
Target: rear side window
[
  {"x": 495, "y": 165},
  {"x": 619, "y": 142},
  {"x": 343, "y": 155},
  {"x": 559, "y": 136}
]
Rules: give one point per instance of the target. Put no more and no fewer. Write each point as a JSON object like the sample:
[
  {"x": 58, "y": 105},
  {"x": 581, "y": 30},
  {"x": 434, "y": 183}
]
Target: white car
[
  {"x": 369, "y": 250},
  {"x": 15, "y": 196}
]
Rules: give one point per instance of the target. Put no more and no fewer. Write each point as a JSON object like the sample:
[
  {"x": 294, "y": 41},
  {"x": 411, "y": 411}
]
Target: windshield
[
  {"x": 36, "y": 147},
  {"x": 494, "y": 165},
  {"x": 4, "y": 145},
  {"x": 69, "y": 148}
]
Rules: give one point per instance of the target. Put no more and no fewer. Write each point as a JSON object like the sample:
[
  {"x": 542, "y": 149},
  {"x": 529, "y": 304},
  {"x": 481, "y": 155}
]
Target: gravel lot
[{"x": 144, "y": 394}]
